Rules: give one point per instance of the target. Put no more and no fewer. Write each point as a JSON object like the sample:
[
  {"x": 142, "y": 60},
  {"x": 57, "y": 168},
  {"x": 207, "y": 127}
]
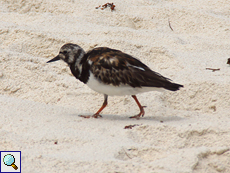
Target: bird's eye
[{"x": 64, "y": 52}]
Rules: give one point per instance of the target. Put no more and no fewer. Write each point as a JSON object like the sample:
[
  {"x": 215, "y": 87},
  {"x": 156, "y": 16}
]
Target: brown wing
[{"x": 115, "y": 67}]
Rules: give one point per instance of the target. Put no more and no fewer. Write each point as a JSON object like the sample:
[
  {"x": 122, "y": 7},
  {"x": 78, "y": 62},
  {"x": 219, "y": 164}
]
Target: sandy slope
[{"x": 184, "y": 131}]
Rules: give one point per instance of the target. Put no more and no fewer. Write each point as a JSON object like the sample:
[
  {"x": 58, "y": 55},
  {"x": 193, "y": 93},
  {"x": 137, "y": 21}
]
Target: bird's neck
[{"x": 80, "y": 68}]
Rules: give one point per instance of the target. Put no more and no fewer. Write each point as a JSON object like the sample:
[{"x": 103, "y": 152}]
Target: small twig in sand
[
  {"x": 213, "y": 69},
  {"x": 130, "y": 126},
  {"x": 102, "y": 7},
  {"x": 228, "y": 62},
  {"x": 126, "y": 153},
  {"x": 170, "y": 25}
]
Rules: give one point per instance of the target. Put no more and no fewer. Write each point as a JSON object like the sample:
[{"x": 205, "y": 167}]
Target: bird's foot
[
  {"x": 84, "y": 116},
  {"x": 142, "y": 113},
  {"x": 88, "y": 116},
  {"x": 96, "y": 115}
]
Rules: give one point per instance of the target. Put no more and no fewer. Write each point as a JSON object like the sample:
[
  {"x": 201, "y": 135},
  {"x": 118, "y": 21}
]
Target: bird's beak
[{"x": 54, "y": 59}]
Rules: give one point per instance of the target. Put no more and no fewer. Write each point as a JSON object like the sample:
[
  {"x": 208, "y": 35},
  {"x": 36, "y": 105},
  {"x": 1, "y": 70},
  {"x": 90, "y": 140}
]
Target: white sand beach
[{"x": 187, "y": 131}]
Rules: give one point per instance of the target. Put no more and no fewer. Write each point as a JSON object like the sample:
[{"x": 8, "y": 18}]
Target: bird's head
[{"x": 69, "y": 53}]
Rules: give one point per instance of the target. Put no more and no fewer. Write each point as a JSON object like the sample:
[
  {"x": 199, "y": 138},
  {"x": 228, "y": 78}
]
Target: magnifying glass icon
[{"x": 9, "y": 160}]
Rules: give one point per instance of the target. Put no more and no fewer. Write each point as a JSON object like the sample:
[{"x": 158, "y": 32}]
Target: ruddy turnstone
[{"x": 112, "y": 72}]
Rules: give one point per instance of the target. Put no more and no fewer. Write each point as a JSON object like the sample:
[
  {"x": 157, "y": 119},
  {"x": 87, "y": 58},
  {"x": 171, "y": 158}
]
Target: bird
[{"x": 112, "y": 73}]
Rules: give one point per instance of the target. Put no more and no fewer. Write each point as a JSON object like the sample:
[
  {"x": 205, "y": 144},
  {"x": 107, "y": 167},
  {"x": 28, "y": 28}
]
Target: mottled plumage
[{"x": 113, "y": 72}]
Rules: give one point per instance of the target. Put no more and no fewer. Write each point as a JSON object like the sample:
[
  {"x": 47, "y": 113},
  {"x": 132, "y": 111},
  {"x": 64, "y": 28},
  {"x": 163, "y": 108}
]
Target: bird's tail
[{"x": 173, "y": 86}]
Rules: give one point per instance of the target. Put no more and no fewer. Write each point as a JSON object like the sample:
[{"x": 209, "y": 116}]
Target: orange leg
[
  {"x": 102, "y": 107},
  {"x": 97, "y": 114},
  {"x": 142, "y": 112}
]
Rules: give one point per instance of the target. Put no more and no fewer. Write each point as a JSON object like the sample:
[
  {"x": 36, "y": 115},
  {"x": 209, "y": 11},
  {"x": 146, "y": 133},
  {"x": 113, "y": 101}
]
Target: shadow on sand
[{"x": 125, "y": 117}]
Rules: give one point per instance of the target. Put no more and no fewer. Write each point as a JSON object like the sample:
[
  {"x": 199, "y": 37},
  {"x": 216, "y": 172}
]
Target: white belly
[{"x": 121, "y": 90}]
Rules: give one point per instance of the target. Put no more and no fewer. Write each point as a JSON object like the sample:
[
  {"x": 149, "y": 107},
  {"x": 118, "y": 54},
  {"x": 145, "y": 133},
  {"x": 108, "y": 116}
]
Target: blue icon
[{"x": 9, "y": 160}]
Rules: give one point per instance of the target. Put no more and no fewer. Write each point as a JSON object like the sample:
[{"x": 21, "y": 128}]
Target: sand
[{"x": 183, "y": 131}]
